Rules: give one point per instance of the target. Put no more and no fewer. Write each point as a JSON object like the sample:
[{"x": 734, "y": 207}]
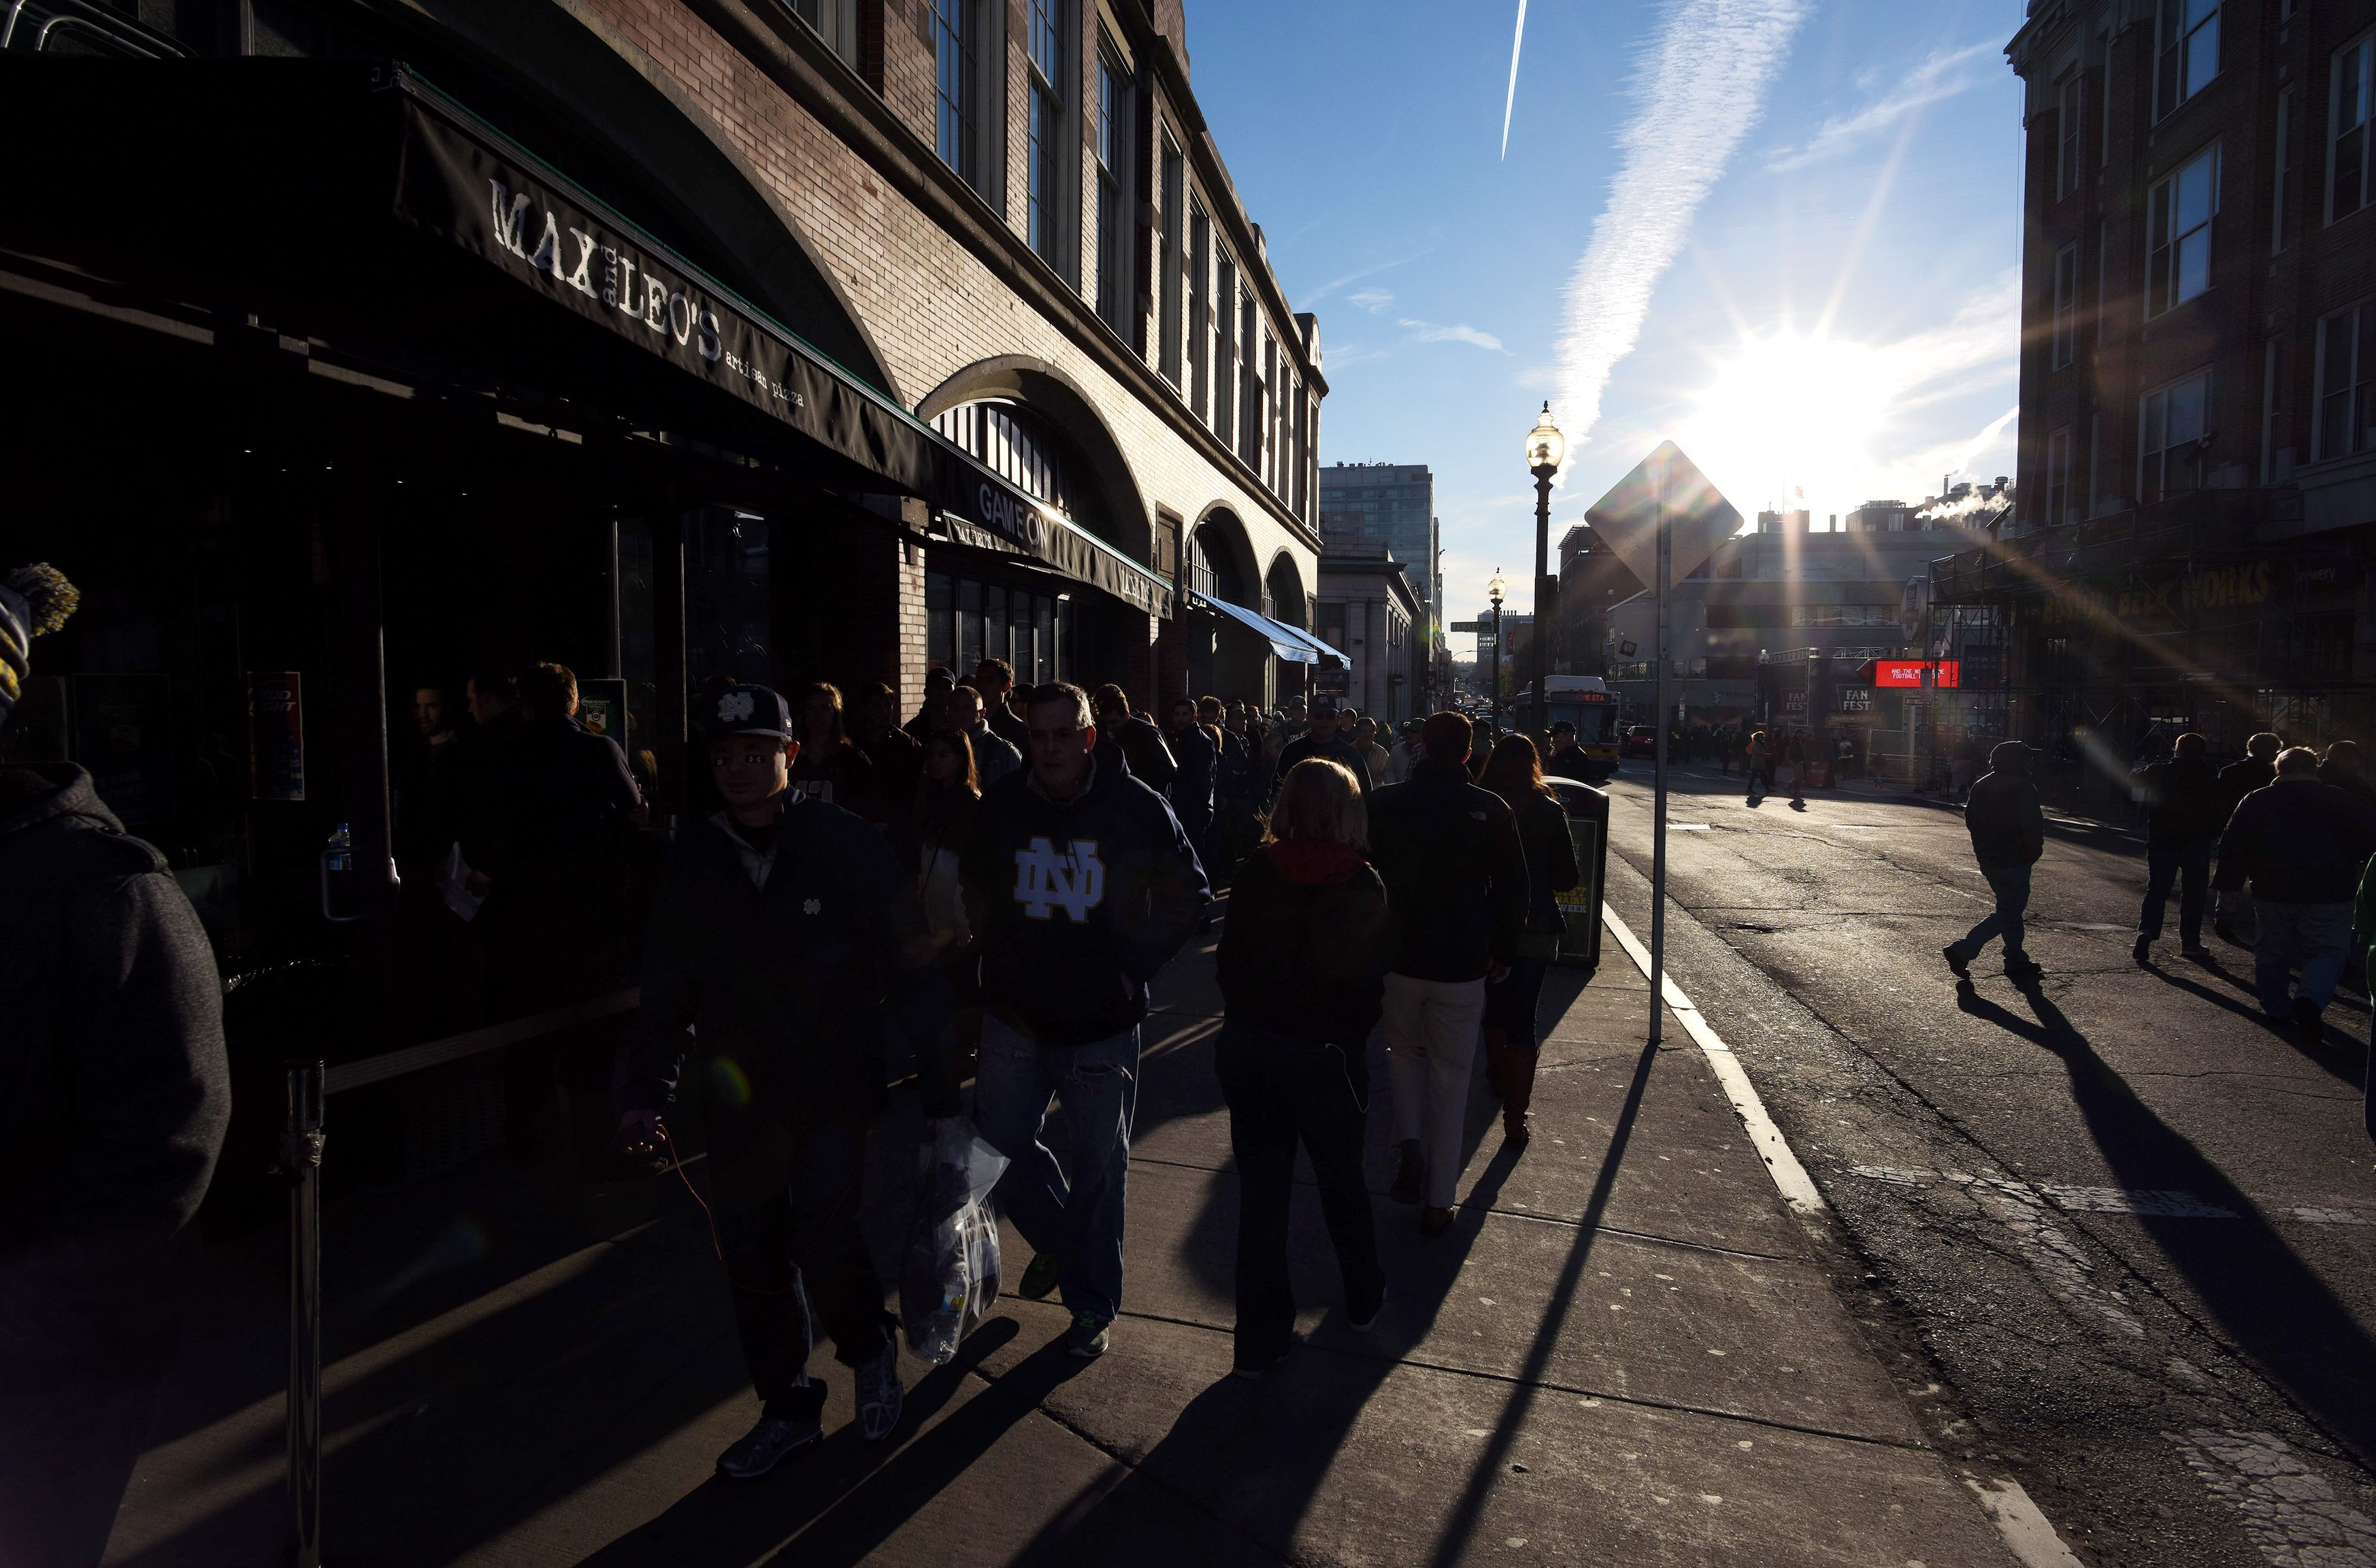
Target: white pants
[{"x": 1431, "y": 1030}]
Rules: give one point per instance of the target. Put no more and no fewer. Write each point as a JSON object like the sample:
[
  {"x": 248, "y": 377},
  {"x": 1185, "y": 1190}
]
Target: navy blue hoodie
[{"x": 1076, "y": 895}]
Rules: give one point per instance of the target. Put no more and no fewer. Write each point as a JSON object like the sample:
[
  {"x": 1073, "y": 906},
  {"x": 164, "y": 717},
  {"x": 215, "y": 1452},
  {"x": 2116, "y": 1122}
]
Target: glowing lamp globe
[
  {"x": 1546, "y": 448},
  {"x": 1494, "y": 590}
]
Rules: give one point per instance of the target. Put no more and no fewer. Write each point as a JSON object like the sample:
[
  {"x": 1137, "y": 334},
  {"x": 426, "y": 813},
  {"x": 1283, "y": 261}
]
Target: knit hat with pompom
[{"x": 33, "y": 600}]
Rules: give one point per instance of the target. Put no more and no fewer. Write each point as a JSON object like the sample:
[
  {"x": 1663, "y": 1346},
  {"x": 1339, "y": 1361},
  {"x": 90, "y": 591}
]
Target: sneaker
[
  {"x": 879, "y": 1393},
  {"x": 2197, "y": 954},
  {"x": 1086, "y": 1340},
  {"x": 1255, "y": 1367},
  {"x": 1038, "y": 1279},
  {"x": 758, "y": 1450},
  {"x": 1410, "y": 1181},
  {"x": 1363, "y": 1324},
  {"x": 2142, "y": 952},
  {"x": 1957, "y": 964}
]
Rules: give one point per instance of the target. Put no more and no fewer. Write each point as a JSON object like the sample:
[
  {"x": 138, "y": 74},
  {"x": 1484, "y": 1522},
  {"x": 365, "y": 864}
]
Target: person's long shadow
[
  {"x": 2267, "y": 1302},
  {"x": 2320, "y": 1053}
]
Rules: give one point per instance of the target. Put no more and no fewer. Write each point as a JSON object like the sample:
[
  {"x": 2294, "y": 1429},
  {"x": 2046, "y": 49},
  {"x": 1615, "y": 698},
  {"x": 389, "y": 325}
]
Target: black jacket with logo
[
  {"x": 1455, "y": 871},
  {"x": 792, "y": 988},
  {"x": 1075, "y": 894}
]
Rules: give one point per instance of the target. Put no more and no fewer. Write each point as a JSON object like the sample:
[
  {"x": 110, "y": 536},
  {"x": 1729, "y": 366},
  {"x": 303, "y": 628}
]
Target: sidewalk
[{"x": 1623, "y": 1352}]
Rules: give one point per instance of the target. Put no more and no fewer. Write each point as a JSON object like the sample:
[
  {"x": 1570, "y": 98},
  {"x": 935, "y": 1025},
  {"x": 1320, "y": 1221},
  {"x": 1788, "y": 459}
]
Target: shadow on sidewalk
[
  {"x": 2320, "y": 1054},
  {"x": 2264, "y": 1299}
]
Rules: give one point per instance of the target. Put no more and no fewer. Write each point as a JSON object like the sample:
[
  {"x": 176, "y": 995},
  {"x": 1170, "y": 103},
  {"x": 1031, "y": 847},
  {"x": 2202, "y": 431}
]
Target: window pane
[
  {"x": 993, "y": 623},
  {"x": 1044, "y": 645},
  {"x": 969, "y": 627},
  {"x": 2194, "y": 265},
  {"x": 2203, "y": 56},
  {"x": 2186, "y": 409},
  {"x": 2197, "y": 192}
]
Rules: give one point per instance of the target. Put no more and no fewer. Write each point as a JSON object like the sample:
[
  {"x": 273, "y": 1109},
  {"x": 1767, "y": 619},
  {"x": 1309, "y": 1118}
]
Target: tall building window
[
  {"x": 1225, "y": 348},
  {"x": 2346, "y": 383},
  {"x": 2177, "y": 224},
  {"x": 1046, "y": 196},
  {"x": 1249, "y": 408},
  {"x": 2188, "y": 37},
  {"x": 953, "y": 61},
  {"x": 1200, "y": 304},
  {"x": 1168, "y": 240},
  {"x": 1114, "y": 193},
  {"x": 2067, "y": 139},
  {"x": 2281, "y": 171},
  {"x": 2346, "y": 158},
  {"x": 2172, "y": 421},
  {"x": 836, "y": 21},
  {"x": 2058, "y": 477},
  {"x": 2066, "y": 305}
]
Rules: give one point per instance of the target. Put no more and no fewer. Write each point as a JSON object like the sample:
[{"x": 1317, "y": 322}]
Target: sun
[{"x": 1787, "y": 413}]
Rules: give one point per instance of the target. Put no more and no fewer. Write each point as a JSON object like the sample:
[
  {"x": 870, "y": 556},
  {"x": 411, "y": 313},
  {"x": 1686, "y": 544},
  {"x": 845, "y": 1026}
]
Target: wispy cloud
[
  {"x": 1946, "y": 74},
  {"x": 1511, "y": 102},
  {"x": 1314, "y": 298},
  {"x": 1698, "y": 91},
  {"x": 1436, "y": 332},
  {"x": 1371, "y": 299}
]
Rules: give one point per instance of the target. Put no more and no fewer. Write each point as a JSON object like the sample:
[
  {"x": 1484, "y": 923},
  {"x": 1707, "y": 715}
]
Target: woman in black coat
[
  {"x": 1303, "y": 969},
  {"x": 1516, "y": 773}
]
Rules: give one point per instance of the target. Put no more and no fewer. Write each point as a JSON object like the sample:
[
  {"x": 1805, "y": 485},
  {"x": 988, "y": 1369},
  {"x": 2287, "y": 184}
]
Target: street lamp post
[
  {"x": 1494, "y": 592},
  {"x": 1545, "y": 449}
]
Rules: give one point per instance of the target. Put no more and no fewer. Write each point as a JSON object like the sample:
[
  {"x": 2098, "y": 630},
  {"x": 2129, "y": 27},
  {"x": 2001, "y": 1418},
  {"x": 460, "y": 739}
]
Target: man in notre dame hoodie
[
  {"x": 114, "y": 1096},
  {"x": 1081, "y": 885}
]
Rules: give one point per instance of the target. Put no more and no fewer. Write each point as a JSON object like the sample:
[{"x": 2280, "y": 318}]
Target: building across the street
[
  {"x": 1368, "y": 609},
  {"x": 1385, "y": 504},
  {"x": 2198, "y": 428},
  {"x": 829, "y": 341}
]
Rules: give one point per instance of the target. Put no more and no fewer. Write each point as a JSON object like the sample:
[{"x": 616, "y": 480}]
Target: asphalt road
[{"x": 2129, "y": 1231}]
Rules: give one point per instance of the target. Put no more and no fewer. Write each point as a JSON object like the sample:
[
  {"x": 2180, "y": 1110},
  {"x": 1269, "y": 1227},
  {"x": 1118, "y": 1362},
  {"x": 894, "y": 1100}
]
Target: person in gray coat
[{"x": 114, "y": 1097}]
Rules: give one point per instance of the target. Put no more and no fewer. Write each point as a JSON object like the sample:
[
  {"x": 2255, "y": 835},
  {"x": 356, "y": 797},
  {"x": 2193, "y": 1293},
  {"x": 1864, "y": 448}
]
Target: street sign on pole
[
  {"x": 1661, "y": 519},
  {"x": 1627, "y": 517}
]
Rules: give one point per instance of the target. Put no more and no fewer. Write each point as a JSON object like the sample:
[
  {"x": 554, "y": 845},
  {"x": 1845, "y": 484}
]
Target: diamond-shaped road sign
[{"x": 1627, "y": 517}]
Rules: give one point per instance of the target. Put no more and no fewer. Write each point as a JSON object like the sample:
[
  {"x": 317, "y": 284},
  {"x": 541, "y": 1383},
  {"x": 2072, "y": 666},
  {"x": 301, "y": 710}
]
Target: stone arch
[
  {"x": 1222, "y": 535},
  {"x": 1283, "y": 586},
  {"x": 1120, "y": 514},
  {"x": 657, "y": 152}
]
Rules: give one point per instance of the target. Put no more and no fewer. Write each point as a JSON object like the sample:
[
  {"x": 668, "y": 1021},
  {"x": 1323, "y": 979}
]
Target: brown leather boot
[
  {"x": 1517, "y": 1093},
  {"x": 1497, "y": 1061}
]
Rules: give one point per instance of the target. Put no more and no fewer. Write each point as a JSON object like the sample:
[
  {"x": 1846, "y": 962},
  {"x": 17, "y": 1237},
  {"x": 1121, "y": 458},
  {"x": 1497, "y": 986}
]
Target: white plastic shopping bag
[{"x": 950, "y": 1279}]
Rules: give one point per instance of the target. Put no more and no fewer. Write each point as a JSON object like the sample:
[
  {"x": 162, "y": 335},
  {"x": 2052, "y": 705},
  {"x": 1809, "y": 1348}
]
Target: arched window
[
  {"x": 1212, "y": 569},
  {"x": 1012, "y": 442}
]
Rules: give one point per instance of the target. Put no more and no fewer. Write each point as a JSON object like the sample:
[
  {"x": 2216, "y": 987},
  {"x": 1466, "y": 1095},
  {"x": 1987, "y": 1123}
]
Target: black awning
[{"x": 242, "y": 182}]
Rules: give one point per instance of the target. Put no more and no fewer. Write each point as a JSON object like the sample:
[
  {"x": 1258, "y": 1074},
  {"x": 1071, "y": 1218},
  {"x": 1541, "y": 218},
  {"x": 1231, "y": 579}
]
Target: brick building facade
[{"x": 2197, "y": 494}]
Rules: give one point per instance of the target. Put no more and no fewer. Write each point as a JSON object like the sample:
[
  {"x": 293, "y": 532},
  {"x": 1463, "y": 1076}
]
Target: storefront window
[
  {"x": 727, "y": 614},
  {"x": 969, "y": 639},
  {"x": 940, "y": 626}
]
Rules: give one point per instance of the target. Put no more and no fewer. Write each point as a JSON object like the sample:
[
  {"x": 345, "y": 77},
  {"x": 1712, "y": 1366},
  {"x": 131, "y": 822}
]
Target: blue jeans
[
  {"x": 2313, "y": 936},
  {"x": 1095, "y": 1086},
  {"x": 2189, "y": 865},
  {"x": 2011, "y": 884}
]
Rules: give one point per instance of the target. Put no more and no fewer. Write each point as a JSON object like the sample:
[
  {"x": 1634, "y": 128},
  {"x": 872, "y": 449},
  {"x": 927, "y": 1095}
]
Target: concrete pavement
[{"x": 1627, "y": 1349}]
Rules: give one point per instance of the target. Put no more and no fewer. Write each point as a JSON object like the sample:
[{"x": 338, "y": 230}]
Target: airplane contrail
[
  {"x": 1510, "y": 102},
  {"x": 1700, "y": 89}
]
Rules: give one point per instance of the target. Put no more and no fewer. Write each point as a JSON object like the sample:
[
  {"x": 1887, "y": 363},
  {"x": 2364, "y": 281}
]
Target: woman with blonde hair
[{"x": 1303, "y": 968}]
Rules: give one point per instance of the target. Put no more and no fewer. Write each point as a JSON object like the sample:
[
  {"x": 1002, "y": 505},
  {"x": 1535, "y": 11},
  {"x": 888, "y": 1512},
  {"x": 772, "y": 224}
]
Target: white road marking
[
  {"x": 1687, "y": 827},
  {"x": 1790, "y": 1178},
  {"x": 2289, "y": 1511},
  {"x": 2027, "y": 1532},
  {"x": 2331, "y": 1216}
]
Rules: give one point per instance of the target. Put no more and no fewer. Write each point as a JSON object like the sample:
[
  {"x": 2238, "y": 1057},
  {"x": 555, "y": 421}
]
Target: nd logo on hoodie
[{"x": 1046, "y": 879}]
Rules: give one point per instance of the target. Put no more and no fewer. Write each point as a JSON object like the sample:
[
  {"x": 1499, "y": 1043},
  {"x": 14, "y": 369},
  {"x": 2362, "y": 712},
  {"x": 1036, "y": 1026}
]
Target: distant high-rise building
[{"x": 1388, "y": 503}]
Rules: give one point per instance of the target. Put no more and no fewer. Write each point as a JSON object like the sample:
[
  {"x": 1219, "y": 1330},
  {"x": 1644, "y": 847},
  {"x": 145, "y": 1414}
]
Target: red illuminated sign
[{"x": 1943, "y": 673}]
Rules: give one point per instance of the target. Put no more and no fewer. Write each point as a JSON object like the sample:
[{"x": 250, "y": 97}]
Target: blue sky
[{"x": 1838, "y": 182}]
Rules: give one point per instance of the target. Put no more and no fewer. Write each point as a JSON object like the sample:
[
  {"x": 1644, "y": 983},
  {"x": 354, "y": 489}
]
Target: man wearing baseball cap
[
  {"x": 1327, "y": 739},
  {"x": 114, "y": 1097},
  {"x": 786, "y": 935}
]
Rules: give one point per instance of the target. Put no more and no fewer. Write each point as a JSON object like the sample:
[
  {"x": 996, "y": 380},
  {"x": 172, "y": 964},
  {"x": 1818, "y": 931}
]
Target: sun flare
[{"x": 1787, "y": 413}]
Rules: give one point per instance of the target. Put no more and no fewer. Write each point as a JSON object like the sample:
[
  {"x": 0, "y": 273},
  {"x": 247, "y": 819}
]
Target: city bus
[{"x": 1585, "y": 702}]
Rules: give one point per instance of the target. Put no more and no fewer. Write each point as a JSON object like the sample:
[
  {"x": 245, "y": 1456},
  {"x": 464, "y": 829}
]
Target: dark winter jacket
[
  {"x": 2185, "y": 807},
  {"x": 1334, "y": 748},
  {"x": 114, "y": 1092},
  {"x": 1142, "y": 744},
  {"x": 1236, "y": 781},
  {"x": 1305, "y": 950},
  {"x": 794, "y": 986},
  {"x": 2005, "y": 819},
  {"x": 1551, "y": 858},
  {"x": 2299, "y": 842},
  {"x": 994, "y": 756},
  {"x": 1081, "y": 902},
  {"x": 2240, "y": 777},
  {"x": 1192, "y": 786},
  {"x": 899, "y": 759},
  {"x": 1455, "y": 871},
  {"x": 840, "y": 775},
  {"x": 560, "y": 802}
]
